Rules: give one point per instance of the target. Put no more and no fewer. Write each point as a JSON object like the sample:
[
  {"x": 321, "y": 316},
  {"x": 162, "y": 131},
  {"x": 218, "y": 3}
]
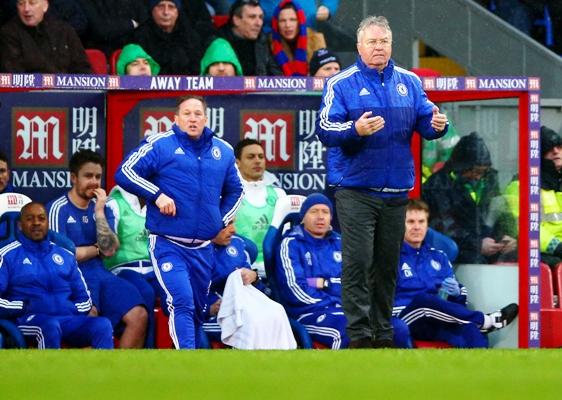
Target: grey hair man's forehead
[{"x": 373, "y": 20}]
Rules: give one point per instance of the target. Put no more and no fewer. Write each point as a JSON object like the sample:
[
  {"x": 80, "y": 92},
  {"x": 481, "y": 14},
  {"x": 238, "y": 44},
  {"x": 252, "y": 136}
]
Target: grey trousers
[{"x": 372, "y": 233}]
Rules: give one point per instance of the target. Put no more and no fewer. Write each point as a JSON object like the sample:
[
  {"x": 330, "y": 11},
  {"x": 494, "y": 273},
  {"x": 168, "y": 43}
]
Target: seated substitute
[
  {"x": 42, "y": 288},
  {"x": 430, "y": 299},
  {"x": 309, "y": 266},
  {"x": 83, "y": 216}
]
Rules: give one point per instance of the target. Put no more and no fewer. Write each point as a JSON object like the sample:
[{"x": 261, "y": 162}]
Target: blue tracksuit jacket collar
[
  {"x": 41, "y": 247},
  {"x": 373, "y": 73},
  {"x": 409, "y": 250},
  {"x": 189, "y": 143}
]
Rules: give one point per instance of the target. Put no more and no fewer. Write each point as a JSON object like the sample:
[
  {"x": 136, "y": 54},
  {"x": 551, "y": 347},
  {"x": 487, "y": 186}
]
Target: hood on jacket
[
  {"x": 220, "y": 51},
  {"x": 129, "y": 54},
  {"x": 469, "y": 152},
  {"x": 549, "y": 140}
]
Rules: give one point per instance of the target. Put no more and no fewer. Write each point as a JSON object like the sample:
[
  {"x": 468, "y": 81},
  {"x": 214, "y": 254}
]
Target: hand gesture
[
  {"x": 166, "y": 205},
  {"x": 438, "y": 120},
  {"x": 367, "y": 125},
  {"x": 101, "y": 199}
]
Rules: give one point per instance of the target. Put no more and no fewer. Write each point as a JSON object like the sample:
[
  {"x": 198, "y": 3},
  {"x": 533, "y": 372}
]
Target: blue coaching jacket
[
  {"x": 422, "y": 271},
  {"x": 40, "y": 278},
  {"x": 381, "y": 162},
  {"x": 302, "y": 256},
  {"x": 199, "y": 175}
]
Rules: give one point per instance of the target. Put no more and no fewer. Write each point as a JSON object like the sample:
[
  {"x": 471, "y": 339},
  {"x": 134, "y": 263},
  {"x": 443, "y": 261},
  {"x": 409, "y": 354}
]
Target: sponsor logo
[
  {"x": 39, "y": 137},
  {"x": 502, "y": 83},
  {"x": 282, "y": 83},
  {"x": 406, "y": 270},
  {"x": 364, "y": 92},
  {"x": 57, "y": 258},
  {"x": 26, "y": 261},
  {"x": 81, "y": 81},
  {"x": 275, "y": 131},
  {"x": 70, "y": 220},
  {"x": 179, "y": 150}
]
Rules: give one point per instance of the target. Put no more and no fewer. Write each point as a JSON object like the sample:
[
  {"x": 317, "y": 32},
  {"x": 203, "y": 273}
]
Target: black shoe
[
  {"x": 363, "y": 343},
  {"x": 383, "y": 344},
  {"x": 503, "y": 317}
]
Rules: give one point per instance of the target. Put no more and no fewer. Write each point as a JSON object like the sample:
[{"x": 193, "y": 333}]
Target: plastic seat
[
  {"x": 442, "y": 242},
  {"x": 551, "y": 317},
  {"x": 98, "y": 61},
  {"x": 285, "y": 215},
  {"x": 547, "y": 287},
  {"x": 557, "y": 281},
  {"x": 113, "y": 61},
  {"x": 219, "y": 20}
]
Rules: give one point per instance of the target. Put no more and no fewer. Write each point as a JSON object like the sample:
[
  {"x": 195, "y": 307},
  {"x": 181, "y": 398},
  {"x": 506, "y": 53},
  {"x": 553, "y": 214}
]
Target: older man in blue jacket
[{"x": 368, "y": 114}]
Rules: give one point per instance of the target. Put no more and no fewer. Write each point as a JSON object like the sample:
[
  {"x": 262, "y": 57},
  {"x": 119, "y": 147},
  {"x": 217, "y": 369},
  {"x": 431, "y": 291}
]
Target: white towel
[{"x": 250, "y": 320}]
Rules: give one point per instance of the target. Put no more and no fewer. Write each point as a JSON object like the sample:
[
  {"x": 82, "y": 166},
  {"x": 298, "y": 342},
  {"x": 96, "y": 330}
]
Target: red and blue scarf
[{"x": 298, "y": 66}]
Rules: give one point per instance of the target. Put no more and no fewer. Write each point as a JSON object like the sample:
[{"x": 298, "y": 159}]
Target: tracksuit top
[
  {"x": 199, "y": 175},
  {"x": 422, "y": 271},
  {"x": 302, "y": 256},
  {"x": 382, "y": 162},
  {"x": 40, "y": 278}
]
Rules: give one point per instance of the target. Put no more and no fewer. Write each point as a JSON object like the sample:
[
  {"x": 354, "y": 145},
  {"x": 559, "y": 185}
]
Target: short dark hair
[
  {"x": 32, "y": 203},
  {"x": 244, "y": 143},
  {"x": 236, "y": 7},
  {"x": 181, "y": 99},
  {"x": 4, "y": 157},
  {"x": 82, "y": 157},
  {"x": 417, "y": 205}
]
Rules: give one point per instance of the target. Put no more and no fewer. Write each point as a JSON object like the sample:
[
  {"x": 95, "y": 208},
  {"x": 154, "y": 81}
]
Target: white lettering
[
  {"x": 40, "y": 138},
  {"x": 42, "y": 179},
  {"x": 199, "y": 82},
  {"x": 302, "y": 181}
]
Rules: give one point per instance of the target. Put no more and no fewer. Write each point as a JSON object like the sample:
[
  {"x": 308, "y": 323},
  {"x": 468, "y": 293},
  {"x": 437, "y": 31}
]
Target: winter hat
[
  {"x": 220, "y": 50},
  {"x": 312, "y": 200},
  {"x": 129, "y": 54},
  {"x": 470, "y": 151},
  {"x": 320, "y": 58},
  {"x": 154, "y": 3},
  {"x": 549, "y": 140}
]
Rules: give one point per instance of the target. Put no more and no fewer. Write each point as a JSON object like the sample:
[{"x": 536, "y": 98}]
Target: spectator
[
  {"x": 263, "y": 319},
  {"x": 183, "y": 215},
  {"x": 133, "y": 60},
  {"x": 244, "y": 33},
  {"x": 314, "y": 13},
  {"x": 324, "y": 64},
  {"x": 220, "y": 60},
  {"x": 255, "y": 213},
  {"x": 199, "y": 18},
  {"x": 5, "y": 178},
  {"x": 430, "y": 299},
  {"x": 170, "y": 39},
  {"x": 83, "y": 216},
  {"x": 292, "y": 43},
  {"x": 308, "y": 270},
  {"x": 111, "y": 24},
  {"x": 48, "y": 298},
  {"x": 459, "y": 197},
  {"x": 33, "y": 43},
  {"x": 370, "y": 164}
]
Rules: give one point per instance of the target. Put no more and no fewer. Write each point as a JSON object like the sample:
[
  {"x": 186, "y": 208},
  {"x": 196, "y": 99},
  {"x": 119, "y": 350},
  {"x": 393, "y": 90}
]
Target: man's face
[
  {"x": 328, "y": 70},
  {"x": 475, "y": 173},
  {"x": 375, "y": 47},
  {"x": 139, "y": 67},
  {"x": 31, "y": 12},
  {"x": 317, "y": 220},
  {"x": 191, "y": 118},
  {"x": 288, "y": 24},
  {"x": 416, "y": 227},
  {"x": 4, "y": 175},
  {"x": 165, "y": 14},
  {"x": 224, "y": 237},
  {"x": 87, "y": 180},
  {"x": 554, "y": 154},
  {"x": 252, "y": 163},
  {"x": 249, "y": 24},
  {"x": 222, "y": 69},
  {"x": 34, "y": 223}
]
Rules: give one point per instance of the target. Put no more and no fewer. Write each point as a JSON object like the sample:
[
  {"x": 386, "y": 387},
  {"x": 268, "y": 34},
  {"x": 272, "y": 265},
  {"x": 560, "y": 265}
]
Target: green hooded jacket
[
  {"x": 129, "y": 54},
  {"x": 220, "y": 51}
]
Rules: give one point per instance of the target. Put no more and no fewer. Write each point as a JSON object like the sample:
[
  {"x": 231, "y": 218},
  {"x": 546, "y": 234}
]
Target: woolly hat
[
  {"x": 154, "y": 3},
  {"x": 220, "y": 50},
  {"x": 312, "y": 200},
  {"x": 129, "y": 54},
  {"x": 320, "y": 58},
  {"x": 549, "y": 140},
  {"x": 469, "y": 152}
]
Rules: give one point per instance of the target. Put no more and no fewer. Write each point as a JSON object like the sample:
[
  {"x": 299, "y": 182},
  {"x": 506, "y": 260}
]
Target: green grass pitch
[{"x": 264, "y": 375}]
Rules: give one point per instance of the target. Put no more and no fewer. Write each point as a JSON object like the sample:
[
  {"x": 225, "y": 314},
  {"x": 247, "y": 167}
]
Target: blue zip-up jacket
[
  {"x": 422, "y": 271},
  {"x": 199, "y": 175},
  {"x": 302, "y": 256},
  {"x": 381, "y": 162},
  {"x": 40, "y": 278}
]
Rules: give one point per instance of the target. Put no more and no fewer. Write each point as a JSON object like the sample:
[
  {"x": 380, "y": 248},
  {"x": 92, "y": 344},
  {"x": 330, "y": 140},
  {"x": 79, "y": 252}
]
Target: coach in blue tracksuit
[
  {"x": 43, "y": 289},
  {"x": 192, "y": 189},
  {"x": 368, "y": 114},
  {"x": 428, "y": 296}
]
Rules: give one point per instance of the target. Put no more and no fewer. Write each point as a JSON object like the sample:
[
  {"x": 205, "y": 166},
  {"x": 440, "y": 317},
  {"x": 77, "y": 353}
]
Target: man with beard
[{"x": 82, "y": 215}]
